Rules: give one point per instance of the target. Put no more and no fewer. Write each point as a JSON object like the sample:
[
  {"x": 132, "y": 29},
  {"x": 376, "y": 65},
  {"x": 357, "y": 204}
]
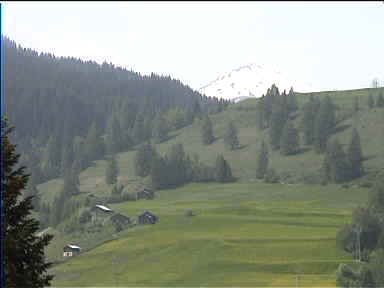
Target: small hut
[
  {"x": 147, "y": 218},
  {"x": 70, "y": 250}
]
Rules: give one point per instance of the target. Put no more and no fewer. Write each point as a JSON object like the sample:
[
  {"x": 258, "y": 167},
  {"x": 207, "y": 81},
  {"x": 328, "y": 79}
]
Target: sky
[{"x": 331, "y": 45}]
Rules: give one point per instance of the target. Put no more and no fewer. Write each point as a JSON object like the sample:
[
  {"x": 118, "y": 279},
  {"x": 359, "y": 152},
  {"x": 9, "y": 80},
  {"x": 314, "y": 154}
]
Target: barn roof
[
  {"x": 103, "y": 208},
  {"x": 73, "y": 246}
]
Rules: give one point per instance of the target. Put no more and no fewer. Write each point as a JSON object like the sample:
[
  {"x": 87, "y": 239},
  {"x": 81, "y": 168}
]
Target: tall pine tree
[
  {"x": 207, "y": 131},
  {"x": 112, "y": 170},
  {"x": 24, "y": 260},
  {"x": 289, "y": 143},
  {"x": 231, "y": 139},
  {"x": 262, "y": 161},
  {"x": 355, "y": 156}
]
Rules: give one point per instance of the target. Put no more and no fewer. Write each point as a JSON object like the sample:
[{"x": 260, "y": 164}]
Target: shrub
[{"x": 271, "y": 176}]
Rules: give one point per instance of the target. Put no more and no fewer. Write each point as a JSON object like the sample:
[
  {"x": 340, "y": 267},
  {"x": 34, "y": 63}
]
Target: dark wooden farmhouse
[
  {"x": 118, "y": 218},
  {"x": 145, "y": 194},
  {"x": 100, "y": 212},
  {"x": 147, "y": 218},
  {"x": 70, "y": 250}
]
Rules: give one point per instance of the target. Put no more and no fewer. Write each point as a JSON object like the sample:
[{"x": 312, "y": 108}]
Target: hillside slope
[
  {"x": 295, "y": 168},
  {"x": 244, "y": 234}
]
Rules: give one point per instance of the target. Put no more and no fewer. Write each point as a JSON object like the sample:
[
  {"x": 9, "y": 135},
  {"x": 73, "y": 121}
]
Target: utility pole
[{"x": 358, "y": 230}]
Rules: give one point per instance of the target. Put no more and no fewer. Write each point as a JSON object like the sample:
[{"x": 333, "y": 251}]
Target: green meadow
[{"x": 243, "y": 234}]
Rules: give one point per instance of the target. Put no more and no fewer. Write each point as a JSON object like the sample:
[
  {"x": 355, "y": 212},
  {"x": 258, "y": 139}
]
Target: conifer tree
[
  {"x": 324, "y": 124},
  {"x": 356, "y": 105},
  {"x": 262, "y": 161},
  {"x": 371, "y": 102},
  {"x": 310, "y": 110},
  {"x": 260, "y": 121},
  {"x": 159, "y": 177},
  {"x": 160, "y": 129},
  {"x": 112, "y": 170},
  {"x": 292, "y": 101},
  {"x": 207, "y": 131},
  {"x": 66, "y": 159},
  {"x": 138, "y": 134},
  {"x": 31, "y": 191},
  {"x": 223, "y": 170},
  {"x": 289, "y": 143},
  {"x": 380, "y": 100},
  {"x": 94, "y": 144},
  {"x": 177, "y": 164},
  {"x": 24, "y": 260},
  {"x": 147, "y": 128},
  {"x": 114, "y": 138},
  {"x": 231, "y": 139},
  {"x": 143, "y": 160},
  {"x": 355, "y": 156},
  {"x": 71, "y": 180},
  {"x": 335, "y": 165},
  {"x": 276, "y": 127}
]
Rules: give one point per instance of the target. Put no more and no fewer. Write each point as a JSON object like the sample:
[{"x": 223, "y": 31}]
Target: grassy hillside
[{"x": 245, "y": 234}]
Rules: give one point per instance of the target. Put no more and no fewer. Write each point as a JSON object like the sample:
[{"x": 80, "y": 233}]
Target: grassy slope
[
  {"x": 244, "y": 234},
  {"x": 241, "y": 235}
]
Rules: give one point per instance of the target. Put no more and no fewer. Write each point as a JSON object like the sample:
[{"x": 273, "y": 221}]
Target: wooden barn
[
  {"x": 70, "y": 250},
  {"x": 100, "y": 212},
  {"x": 145, "y": 194},
  {"x": 147, "y": 218}
]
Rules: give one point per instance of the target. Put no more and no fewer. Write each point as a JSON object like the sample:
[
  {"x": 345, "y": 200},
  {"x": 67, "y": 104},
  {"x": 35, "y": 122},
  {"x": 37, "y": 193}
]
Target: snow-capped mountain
[{"x": 251, "y": 80}]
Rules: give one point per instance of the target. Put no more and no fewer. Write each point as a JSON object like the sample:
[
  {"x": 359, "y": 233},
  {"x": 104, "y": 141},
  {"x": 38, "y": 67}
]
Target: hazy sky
[{"x": 332, "y": 45}]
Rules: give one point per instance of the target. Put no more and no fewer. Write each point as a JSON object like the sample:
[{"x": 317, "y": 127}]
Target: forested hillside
[{"x": 52, "y": 100}]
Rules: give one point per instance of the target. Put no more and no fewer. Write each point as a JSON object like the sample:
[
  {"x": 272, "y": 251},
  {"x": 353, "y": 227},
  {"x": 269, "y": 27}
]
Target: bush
[
  {"x": 85, "y": 217},
  {"x": 189, "y": 213},
  {"x": 271, "y": 176},
  {"x": 366, "y": 184}
]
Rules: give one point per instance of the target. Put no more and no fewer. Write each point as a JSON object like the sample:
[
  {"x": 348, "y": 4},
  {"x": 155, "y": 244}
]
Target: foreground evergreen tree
[
  {"x": 262, "y": 161},
  {"x": 207, "y": 131},
  {"x": 355, "y": 156},
  {"x": 112, "y": 170},
  {"x": 231, "y": 139},
  {"x": 25, "y": 264},
  {"x": 223, "y": 170},
  {"x": 289, "y": 142},
  {"x": 143, "y": 160},
  {"x": 31, "y": 191}
]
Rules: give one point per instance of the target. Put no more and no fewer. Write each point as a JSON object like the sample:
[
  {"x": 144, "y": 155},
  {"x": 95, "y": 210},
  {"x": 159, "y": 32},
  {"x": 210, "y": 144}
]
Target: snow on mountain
[{"x": 251, "y": 80}]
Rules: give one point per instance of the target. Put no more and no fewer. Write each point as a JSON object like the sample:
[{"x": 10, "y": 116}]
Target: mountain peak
[{"x": 251, "y": 80}]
